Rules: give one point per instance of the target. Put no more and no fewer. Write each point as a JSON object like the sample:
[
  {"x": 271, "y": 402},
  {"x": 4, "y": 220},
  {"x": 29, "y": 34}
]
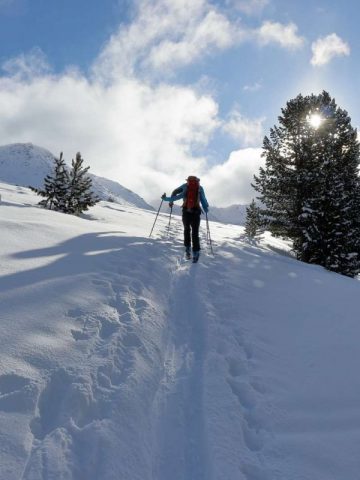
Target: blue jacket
[{"x": 180, "y": 192}]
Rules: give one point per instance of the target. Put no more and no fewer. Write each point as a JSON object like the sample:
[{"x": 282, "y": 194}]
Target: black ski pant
[{"x": 191, "y": 221}]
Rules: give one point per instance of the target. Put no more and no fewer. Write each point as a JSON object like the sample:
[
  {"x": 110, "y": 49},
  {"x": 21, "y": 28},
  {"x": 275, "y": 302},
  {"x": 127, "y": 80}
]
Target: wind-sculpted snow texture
[{"x": 121, "y": 361}]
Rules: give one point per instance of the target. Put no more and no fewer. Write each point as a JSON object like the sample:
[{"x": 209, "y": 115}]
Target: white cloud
[
  {"x": 230, "y": 183},
  {"x": 166, "y": 34},
  {"x": 253, "y": 88},
  {"x": 247, "y": 131},
  {"x": 326, "y": 48},
  {"x": 30, "y": 65},
  {"x": 214, "y": 31},
  {"x": 249, "y": 7},
  {"x": 284, "y": 35}
]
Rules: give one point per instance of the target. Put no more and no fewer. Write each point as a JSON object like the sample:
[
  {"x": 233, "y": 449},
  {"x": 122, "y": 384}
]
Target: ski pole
[
  {"x": 169, "y": 220},
  {"x": 207, "y": 231},
  {"x": 208, "y": 234},
  {"x": 156, "y": 217}
]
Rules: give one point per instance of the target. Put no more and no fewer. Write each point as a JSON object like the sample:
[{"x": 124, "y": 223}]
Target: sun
[{"x": 315, "y": 120}]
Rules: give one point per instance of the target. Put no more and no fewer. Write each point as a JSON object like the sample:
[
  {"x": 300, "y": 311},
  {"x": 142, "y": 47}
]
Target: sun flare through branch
[{"x": 315, "y": 120}]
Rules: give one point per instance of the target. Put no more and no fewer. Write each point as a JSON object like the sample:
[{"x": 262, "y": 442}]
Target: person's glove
[
  {"x": 206, "y": 209},
  {"x": 163, "y": 196},
  {"x": 171, "y": 204}
]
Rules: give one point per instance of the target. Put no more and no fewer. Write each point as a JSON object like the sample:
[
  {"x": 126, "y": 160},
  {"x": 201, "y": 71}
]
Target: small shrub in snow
[{"x": 67, "y": 190}]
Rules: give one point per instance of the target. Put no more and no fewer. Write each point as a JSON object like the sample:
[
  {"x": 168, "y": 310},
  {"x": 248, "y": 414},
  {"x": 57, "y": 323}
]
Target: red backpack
[{"x": 192, "y": 199}]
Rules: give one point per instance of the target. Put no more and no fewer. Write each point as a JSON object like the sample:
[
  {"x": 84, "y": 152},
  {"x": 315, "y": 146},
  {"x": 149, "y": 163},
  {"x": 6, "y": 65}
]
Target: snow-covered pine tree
[
  {"x": 310, "y": 183},
  {"x": 79, "y": 195},
  {"x": 253, "y": 220},
  {"x": 55, "y": 187}
]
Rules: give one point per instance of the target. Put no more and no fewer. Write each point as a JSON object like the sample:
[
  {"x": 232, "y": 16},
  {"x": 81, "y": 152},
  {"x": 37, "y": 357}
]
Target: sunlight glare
[{"x": 315, "y": 120}]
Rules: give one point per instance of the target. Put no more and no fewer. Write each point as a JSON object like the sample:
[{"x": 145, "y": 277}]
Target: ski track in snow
[{"x": 182, "y": 449}]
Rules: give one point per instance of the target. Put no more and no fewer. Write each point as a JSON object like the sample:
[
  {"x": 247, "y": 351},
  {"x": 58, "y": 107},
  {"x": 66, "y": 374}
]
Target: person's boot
[
  {"x": 187, "y": 253},
  {"x": 196, "y": 256}
]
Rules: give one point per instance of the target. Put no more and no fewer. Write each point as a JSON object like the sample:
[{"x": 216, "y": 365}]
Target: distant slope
[
  {"x": 235, "y": 214},
  {"x": 109, "y": 190},
  {"x": 26, "y": 165}
]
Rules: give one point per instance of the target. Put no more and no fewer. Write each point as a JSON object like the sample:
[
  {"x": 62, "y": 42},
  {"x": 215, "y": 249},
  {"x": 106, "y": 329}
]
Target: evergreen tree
[
  {"x": 55, "y": 187},
  {"x": 253, "y": 220},
  {"x": 310, "y": 184},
  {"x": 79, "y": 194}
]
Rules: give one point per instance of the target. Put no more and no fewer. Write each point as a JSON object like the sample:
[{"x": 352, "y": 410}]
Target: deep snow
[{"x": 120, "y": 360}]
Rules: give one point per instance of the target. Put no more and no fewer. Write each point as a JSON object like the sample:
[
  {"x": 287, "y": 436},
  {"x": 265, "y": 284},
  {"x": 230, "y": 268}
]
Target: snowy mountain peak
[{"x": 26, "y": 164}]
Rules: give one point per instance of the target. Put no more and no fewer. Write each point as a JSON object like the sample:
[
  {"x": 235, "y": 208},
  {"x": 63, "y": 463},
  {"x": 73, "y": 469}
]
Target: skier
[{"x": 193, "y": 195}]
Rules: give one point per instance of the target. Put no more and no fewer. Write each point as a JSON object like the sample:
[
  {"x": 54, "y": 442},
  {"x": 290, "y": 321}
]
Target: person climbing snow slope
[{"x": 194, "y": 198}]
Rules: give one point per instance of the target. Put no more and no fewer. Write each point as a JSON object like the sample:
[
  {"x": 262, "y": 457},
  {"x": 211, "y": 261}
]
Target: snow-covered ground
[{"x": 121, "y": 361}]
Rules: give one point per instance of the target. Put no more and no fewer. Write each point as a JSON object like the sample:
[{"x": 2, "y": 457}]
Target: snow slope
[
  {"x": 26, "y": 165},
  {"x": 234, "y": 214},
  {"x": 119, "y": 360}
]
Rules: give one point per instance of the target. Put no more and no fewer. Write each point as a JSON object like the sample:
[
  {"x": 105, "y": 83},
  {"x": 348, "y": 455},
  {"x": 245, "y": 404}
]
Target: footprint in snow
[
  {"x": 67, "y": 397},
  {"x": 236, "y": 367},
  {"x": 243, "y": 392},
  {"x": 17, "y": 394},
  {"x": 75, "y": 312},
  {"x": 253, "y": 438},
  {"x": 107, "y": 328},
  {"x": 254, "y": 472},
  {"x": 80, "y": 335}
]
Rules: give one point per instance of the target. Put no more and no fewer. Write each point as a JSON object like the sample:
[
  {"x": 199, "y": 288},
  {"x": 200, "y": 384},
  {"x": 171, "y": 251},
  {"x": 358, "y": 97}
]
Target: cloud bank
[{"x": 230, "y": 183}]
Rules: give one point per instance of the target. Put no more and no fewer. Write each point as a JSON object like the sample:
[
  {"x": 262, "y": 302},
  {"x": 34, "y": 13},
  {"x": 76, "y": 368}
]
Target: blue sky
[
  {"x": 66, "y": 31},
  {"x": 153, "y": 90}
]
